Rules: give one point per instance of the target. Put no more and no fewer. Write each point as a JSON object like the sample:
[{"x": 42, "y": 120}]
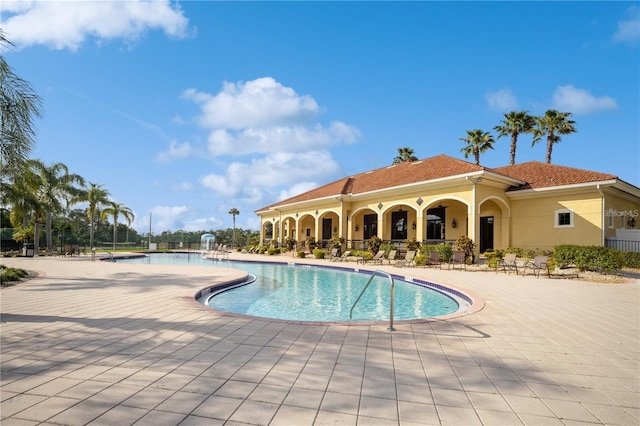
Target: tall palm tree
[
  {"x": 114, "y": 210},
  {"x": 478, "y": 141},
  {"x": 56, "y": 185},
  {"x": 19, "y": 105},
  {"x": 553, "y": 124},
  {"x": 95, "y": 195},
  {"x": 515, "y": 123},
  {"x": 234, "y": 212},
  {"x": 404, "y": 154}
]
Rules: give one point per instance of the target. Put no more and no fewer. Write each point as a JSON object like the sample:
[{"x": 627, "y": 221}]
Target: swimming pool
[{"x": 317, "y": 293}]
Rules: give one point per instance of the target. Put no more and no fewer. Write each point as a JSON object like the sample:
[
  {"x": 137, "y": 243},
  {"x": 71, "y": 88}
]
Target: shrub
[
  {"x": 273, "y": 250},
  {"x": 290, "y": 243},
  {"x": 467, "y": 246},
  {"x": 387, "y": 247},
  {"x": 336, "y": 241},
  {"x": 11, "y": 274},
  {"x": 319, "y": 253},
  {"x": 589, "y": 258},
  {"x": 301, "y": 254},
  {"x": 631, "y": 259},
  {"x": 412, "y": 244},
  {"x": 311, "y": 243},
  {"x": 373, "y": 244}
]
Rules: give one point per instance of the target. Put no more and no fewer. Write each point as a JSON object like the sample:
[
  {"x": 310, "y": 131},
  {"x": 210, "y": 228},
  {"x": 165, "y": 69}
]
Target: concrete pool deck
[{"x": 119, "y": 344}]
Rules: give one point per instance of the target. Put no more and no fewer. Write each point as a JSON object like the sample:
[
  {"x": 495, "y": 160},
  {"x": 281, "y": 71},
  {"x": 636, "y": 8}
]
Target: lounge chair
[
  {"x": 508, "y": 263},
  {"x": 538, "y": 264},
  {"x": 376, "y": 259},
  {"x": 433, "y": 260},
  {"x": 392, "y": 256},
  {"x": 458, "y": 258},
  {"x": 333, "y": 254},
  {"x": 408, "y": 259},
  {"x": 344, "y": 256}
]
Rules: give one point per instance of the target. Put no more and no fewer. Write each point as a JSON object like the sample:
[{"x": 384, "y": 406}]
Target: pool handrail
[{"x": 373, "y": 275}]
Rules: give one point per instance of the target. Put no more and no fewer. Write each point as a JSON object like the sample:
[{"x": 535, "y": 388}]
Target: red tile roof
[
  {"x": 536, "y": 174},
  {"x": 544, "y": 175}
]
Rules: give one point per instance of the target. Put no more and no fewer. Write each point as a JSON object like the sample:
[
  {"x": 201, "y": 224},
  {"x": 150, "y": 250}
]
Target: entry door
[
  {"x": 486, "y": 233},
  {"x": 370, "y": 226},
  {"x": 326, "y": 229}
]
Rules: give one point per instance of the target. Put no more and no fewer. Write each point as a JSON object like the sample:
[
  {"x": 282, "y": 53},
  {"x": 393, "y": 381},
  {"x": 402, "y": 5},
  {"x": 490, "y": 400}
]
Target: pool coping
[{"x": 476, "y": 303}]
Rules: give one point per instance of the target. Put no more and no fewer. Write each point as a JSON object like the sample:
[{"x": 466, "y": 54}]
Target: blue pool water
[{"x": 304, "y": 293}]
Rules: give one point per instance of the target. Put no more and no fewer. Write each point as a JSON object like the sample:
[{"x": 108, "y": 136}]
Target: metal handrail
[
  {"x": 93, "y": 254},
  {"x": 376, "y": 272}
]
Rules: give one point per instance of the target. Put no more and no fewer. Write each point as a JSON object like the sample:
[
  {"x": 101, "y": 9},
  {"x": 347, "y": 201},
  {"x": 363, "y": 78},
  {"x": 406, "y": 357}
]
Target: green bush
[
  {"x": 412, "y": 244},
  {"x": 387, "y": 247},
  {"x": 589, "y": 258},
  {"x": 319, "y": 253},
  {"x": 301, "y": 254},
  {"x": 631, "y": 259},
  {"x": 11, "y": 274},
  {"x": 467, "y": 246},
  {"x": 373, "y": 244},
  {"x": 273, "y": 250}
]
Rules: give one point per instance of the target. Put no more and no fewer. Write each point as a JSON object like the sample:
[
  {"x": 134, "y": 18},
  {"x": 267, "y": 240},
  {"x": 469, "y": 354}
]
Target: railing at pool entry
[
  {"x": 388, "y": 275},
  {"x": 93, "y": 254}
]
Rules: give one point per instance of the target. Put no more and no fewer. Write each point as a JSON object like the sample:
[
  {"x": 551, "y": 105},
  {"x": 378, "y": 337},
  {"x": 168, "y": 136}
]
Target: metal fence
[{"x": 623, "y": 245}]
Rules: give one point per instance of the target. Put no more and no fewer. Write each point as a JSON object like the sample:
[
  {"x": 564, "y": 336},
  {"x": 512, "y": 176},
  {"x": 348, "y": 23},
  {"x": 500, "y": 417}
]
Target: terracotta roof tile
[
  {"x": 535, "y": 173},
  {"x": 386, "y": 177},
  {"x": 544, "y": 175}
]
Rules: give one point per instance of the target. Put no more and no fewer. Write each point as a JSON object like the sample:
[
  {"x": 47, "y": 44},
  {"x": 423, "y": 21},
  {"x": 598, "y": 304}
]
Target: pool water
[{"x": 308, "y": 293}]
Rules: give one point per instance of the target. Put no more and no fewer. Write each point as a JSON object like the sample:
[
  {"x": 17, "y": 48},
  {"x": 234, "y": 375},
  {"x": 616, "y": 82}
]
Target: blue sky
[{"x": 189, "y": 109}]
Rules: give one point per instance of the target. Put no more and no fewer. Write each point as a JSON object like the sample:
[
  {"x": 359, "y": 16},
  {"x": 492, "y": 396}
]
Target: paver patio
[{"x": 119, "y": 344}]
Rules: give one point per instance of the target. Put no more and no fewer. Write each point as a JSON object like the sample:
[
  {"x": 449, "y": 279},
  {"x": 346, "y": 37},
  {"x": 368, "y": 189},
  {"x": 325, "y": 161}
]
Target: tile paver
[{"x": 540, "y": 352}]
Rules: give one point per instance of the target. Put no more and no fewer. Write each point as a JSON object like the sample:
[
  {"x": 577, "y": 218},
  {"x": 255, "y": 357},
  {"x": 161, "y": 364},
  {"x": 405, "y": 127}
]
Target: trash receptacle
[{"x": 28, "y": 250}]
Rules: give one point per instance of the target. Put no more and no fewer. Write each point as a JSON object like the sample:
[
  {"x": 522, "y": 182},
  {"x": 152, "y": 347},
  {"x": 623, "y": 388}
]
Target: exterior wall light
[
  {"x": 632, "y": 222},
  {"x": 454, "y": 223}
]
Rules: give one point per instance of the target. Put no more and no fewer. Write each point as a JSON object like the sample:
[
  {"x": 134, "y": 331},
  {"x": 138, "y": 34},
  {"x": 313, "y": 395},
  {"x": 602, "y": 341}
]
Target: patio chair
[
  {"x": 344, "y": 256},
  {"x": 333, "y": 254},
  {"x": 408, "y": 259},
  {"x": 539, "y": 263},
  {"x": 375, "y": 259},
  {"x": 458, "y": 258},
  {"x": 433, "y": 260},
  {"x": 508, "y": 263},
  {"x": 392, "y": 256}
]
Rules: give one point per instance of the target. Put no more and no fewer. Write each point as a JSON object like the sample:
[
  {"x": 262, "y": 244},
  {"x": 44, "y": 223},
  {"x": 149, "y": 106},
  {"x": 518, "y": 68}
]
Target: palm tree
[
  {"x": 95, "y": 195},
  {"x": 478, "y": 141},
  {"x": 19, "y": 105},
  {"x": 234, "y": 212},
  {"x": 404, "y": 154},
  {"x": 55, "y": 186},
  {"x": 553, "y": 124},
  {"x": 114, "y": 210},
  {"x": 515, "y": 123}
]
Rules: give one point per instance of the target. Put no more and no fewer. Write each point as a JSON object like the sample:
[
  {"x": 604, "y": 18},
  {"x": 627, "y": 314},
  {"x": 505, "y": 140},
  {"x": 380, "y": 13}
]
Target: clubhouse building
[{"x": 531, "y": 205}]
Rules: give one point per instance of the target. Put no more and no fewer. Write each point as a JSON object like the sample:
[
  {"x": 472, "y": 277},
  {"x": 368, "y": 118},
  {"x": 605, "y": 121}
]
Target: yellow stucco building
[{"x": 531, "y": 205}]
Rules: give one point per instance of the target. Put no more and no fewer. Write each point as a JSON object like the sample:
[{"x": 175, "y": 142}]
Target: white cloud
[
  {"x": 247, "y": 180},
  {"x": 67, "y": 24},
  {"x": 628, "y": 29},
  {"x": 279, "y": 138},
  {"x": 580, "y": 101},
  {"x": 264, "y": 116},
  {"x": 176, "y": 150},
  {"x": 257, "y": 103},
  {"x": 501, "y": 100}
]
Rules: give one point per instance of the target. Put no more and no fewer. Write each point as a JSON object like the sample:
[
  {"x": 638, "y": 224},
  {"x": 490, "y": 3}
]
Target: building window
[
  {"x": 610, "y": 221},
  {"x": 622, "y": 222},
  {"x": 564, "y": 218}
]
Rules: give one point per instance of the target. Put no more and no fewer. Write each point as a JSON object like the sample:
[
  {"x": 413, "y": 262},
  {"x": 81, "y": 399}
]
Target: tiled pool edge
[{"x": 476, "y": 303}]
